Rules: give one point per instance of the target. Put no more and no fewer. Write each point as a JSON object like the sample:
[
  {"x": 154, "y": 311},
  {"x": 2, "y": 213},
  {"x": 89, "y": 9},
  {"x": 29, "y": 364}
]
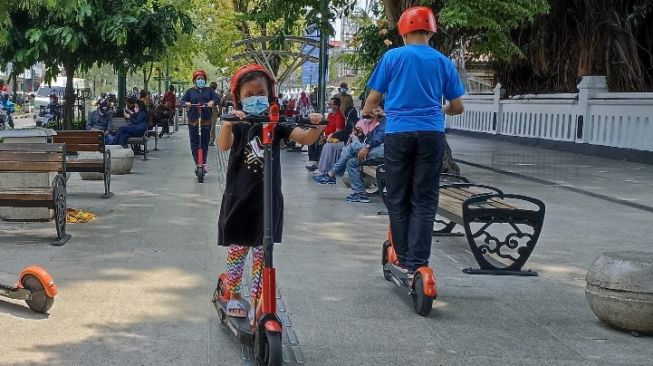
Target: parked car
[{"x": 58, "y": 87}]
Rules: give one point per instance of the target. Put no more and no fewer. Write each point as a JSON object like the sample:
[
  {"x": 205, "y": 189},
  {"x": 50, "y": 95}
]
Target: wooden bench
[
  {"x": 87, "y": 141},
  {"x": 501, "y": 229},
  {"x": 139, "y": 141},
  {"x": 37, "y": 158}
]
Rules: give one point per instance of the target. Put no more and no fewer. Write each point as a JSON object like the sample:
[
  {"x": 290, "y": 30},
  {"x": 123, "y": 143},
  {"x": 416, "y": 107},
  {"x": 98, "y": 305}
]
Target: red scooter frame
[
  {"x": 422, "y": 287},
  {"x": 265, "y": 334},
  {"x": 200, "y": 172}
]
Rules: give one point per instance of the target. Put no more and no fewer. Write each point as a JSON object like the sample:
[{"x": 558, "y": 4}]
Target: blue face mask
[
  {"x": 256, "y": 104},
  {"x": 200, "y": 83}
]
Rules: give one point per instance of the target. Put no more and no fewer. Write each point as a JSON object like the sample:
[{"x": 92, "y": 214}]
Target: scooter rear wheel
[
  {"x": 384, "y": 261},
  {"x": 272, "y": 352},
  {"x": 40, "y": 301},
  {"x": 422, "y": 303}
]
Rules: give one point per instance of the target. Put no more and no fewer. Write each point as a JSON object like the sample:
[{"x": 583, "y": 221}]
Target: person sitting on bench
[
  {"x": 351, "y": 158},
  {"x": 137, "y": 124},
  {"x": 101, "y": 119}
]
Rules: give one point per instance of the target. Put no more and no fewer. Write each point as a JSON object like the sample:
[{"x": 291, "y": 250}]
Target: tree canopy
[
  {"x": 584, "y": 37},
  {"x": 482, "y": 27},
  {"x": 77, "y": 35}
]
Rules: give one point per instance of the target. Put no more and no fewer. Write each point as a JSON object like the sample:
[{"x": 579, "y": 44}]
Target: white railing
[
  {"x": 480, "y": 119},
  {"x": 591, "y": 116}
]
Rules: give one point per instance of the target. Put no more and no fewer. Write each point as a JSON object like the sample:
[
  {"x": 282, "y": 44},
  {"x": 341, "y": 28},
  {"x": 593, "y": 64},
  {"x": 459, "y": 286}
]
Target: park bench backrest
[
  {"x": 34, "y": 157},
  {"x": 77, "y": 141}
]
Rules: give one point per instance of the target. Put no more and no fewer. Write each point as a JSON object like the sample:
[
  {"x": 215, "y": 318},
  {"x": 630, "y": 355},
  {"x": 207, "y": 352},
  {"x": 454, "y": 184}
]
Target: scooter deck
[
  {"x": 399, "y": 278},
  {"x": 15, "y": 293},
  {"x": 241, "y": 327}
]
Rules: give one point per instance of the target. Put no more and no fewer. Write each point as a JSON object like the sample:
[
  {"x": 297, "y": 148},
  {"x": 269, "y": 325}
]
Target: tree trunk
[
  {"x": 69, "y": 97},
  {"x": 578, "y": 38},
  {"x": 147, "y": 76},
  {"x": 122, "y": 89},
  {"x": 392, "y": 12},
  {"x": 240, "y": 6},
  {"x": 15, "y": 87}
]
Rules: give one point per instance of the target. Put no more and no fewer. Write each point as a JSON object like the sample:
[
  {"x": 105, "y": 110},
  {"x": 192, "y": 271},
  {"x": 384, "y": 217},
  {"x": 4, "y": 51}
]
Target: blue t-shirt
[{"x": 415, "y": 78}]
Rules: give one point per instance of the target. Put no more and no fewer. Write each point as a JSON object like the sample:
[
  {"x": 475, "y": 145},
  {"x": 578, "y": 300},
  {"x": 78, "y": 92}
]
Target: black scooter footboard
[{"x": 502, "y": 230}]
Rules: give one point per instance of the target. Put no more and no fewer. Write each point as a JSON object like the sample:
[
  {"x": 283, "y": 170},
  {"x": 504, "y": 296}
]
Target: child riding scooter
[
  {"x": 415, "y": 79},
  {"x": 251, "y": 213}
]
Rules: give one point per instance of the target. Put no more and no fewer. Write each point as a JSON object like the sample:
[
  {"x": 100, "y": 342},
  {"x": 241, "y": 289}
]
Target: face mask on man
[
  {"x": 256, "y": 104},
  {"x": 343, "y": 90},
  {"x": 200, "y": 83}
]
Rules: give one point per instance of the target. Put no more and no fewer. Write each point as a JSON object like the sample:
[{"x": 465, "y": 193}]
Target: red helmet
[
  {"x": 199, "y": 72},
  {"x": 244, "y": 70},
  {"x": 417, "y": 18}
]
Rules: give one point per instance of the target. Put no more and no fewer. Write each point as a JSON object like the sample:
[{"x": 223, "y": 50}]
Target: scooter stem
[
  {"x": 269, "y": 291},
  {"x": 269, "y": 277}
]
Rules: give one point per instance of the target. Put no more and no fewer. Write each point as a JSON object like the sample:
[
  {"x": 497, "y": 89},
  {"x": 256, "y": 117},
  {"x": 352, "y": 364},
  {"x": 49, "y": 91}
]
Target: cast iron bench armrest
[
  {"x": 512, "y": 249},
  {"x": 140, "y": 141}
]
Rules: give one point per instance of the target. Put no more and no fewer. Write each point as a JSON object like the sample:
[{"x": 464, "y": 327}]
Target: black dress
[{"x": 241, "y": 211}]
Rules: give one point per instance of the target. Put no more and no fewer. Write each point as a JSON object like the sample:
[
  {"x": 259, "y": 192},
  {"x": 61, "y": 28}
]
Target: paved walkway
[{"x": 135, "y": 285}]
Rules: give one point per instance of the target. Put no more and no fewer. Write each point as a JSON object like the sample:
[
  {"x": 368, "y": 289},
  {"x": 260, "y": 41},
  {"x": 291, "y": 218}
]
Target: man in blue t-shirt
[{"x": 414, "y": 78}]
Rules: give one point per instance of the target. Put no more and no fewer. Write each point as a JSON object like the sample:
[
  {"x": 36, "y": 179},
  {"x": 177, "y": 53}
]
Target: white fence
[{"x": 591, "y": 116}]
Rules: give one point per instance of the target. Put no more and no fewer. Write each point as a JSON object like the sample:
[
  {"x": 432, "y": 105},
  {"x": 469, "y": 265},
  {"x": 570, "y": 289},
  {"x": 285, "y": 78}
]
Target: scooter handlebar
[{"x": 257, "y": 119}]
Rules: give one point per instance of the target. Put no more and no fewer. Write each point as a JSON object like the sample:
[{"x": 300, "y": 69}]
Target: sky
[{"x": 337, "y": 23}]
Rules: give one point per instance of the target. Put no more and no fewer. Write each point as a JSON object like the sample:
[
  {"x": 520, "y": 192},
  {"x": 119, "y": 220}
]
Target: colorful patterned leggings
[{"x": 236, "y": 264}]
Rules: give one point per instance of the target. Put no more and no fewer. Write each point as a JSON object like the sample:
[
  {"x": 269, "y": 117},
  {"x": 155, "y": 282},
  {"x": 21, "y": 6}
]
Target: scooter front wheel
[
  {"x": 199, "y": 172},
  {"x": 272, "y": 351},
  {"x": 422, "y": 302},
  {"x": 40, "y": 301}
]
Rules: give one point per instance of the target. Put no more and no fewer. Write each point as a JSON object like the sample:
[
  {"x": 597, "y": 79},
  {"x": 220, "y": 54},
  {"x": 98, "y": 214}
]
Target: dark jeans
[
  {"x": 413, "y": 162},
  {"x": 314, "y": 152},
  {"x": 195, "y": 140},
  {"x": 10, "y": 120},
  {"x": 126, "y": 132},
  {"x": 165, "y": 126}
]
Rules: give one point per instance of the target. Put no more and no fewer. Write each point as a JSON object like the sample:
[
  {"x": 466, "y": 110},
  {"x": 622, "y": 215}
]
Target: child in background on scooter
[
  {"x": 241, "y": 212},
  {"x": 415, "y": 78}
]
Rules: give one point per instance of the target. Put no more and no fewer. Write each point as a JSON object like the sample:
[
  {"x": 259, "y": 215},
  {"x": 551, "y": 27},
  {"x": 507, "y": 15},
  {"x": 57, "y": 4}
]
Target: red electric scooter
[
  {"x": 200, "y": 171},
  {"x": 265, "y": 332},
  {"x": 421, "y": 286},
  {"x": 35, "y": 286}
]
